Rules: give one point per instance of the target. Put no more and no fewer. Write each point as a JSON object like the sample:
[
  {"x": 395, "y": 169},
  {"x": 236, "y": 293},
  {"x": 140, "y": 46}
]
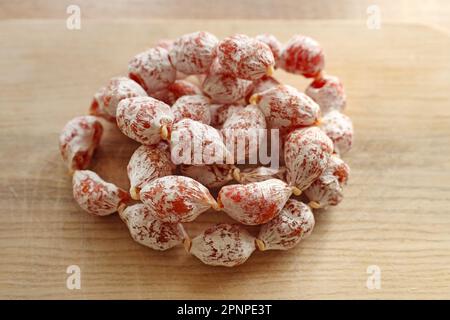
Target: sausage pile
[{"x": 198, "y": 105}]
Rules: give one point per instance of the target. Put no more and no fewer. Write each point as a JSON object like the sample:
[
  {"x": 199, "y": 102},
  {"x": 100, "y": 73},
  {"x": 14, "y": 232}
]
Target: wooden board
[
  {"x": 431, "y": 11},
  {"x": 395, "y": 214}
]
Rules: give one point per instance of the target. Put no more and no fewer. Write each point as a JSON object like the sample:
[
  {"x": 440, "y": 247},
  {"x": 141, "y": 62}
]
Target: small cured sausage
[
  {"x": 176, "y": 198},
  {"x": 226, "y": 245},
  {"x": 78, "y": 141}
]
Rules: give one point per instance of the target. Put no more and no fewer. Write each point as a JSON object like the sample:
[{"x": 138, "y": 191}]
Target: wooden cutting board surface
[{"x": 395, "y": 214}]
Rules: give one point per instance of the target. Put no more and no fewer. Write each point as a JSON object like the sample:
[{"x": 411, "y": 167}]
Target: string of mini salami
[{"x": 157, "y": 106}]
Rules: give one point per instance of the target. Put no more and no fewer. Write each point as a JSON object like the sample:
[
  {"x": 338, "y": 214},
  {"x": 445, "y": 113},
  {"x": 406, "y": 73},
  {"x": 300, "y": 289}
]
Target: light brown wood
[
  {"x": 395, "y": 214},
  {"x": 417, "y": 11}
]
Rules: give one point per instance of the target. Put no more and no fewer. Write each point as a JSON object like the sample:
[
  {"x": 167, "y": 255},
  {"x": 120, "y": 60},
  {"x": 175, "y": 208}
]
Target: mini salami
[
  {"x": 168, "y": 45},
  {"x": 328, "y": 92},
  {"x": 243, "y": 133},
  {"x": 294, "y": 223},
  {"x": 225, "y": 88},
  {"x": 254, "y": 203},
  {"x": 211, "y": 106},
  {"x": 78, "y": 141},
  {"x": 194, "y": 107},
  {"x": 339, "y": 128},
  {"x": 144, "y": 119},
  {"x": 245, "y": 57},
  {"x": 261, "y": 85},
  {"x": 193, "y": 52},
  {"x": 327, "y": 190},
  {"x": 152, "y": 70},
  {"x": 175, "y": 91},
  {"x": 303, "y": 55},
  {"x": 146, "y": 164},
  {"x": 176, "y": 198},
  {"x": 306, "y": 153},
  {"x": 258, "y": 174},
  {"x": 195, "y": 143},
  {"x": 227, "y": 245},
  {"x": 273, "y": 43},
  {"x": 96, "y": 196},
  {"x": 211, "y": 176},
  {"x": 286, "y": 108},
  {"x": 221, "y": 112},
  {"x": 145, "y": 229},
  {"x": 106, "y": 99}
]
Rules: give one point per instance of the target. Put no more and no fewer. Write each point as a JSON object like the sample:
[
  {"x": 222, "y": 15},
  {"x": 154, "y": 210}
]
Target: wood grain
[
  {"x": 395, "y": 214},
  {"x": 415, "y": 11}
]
